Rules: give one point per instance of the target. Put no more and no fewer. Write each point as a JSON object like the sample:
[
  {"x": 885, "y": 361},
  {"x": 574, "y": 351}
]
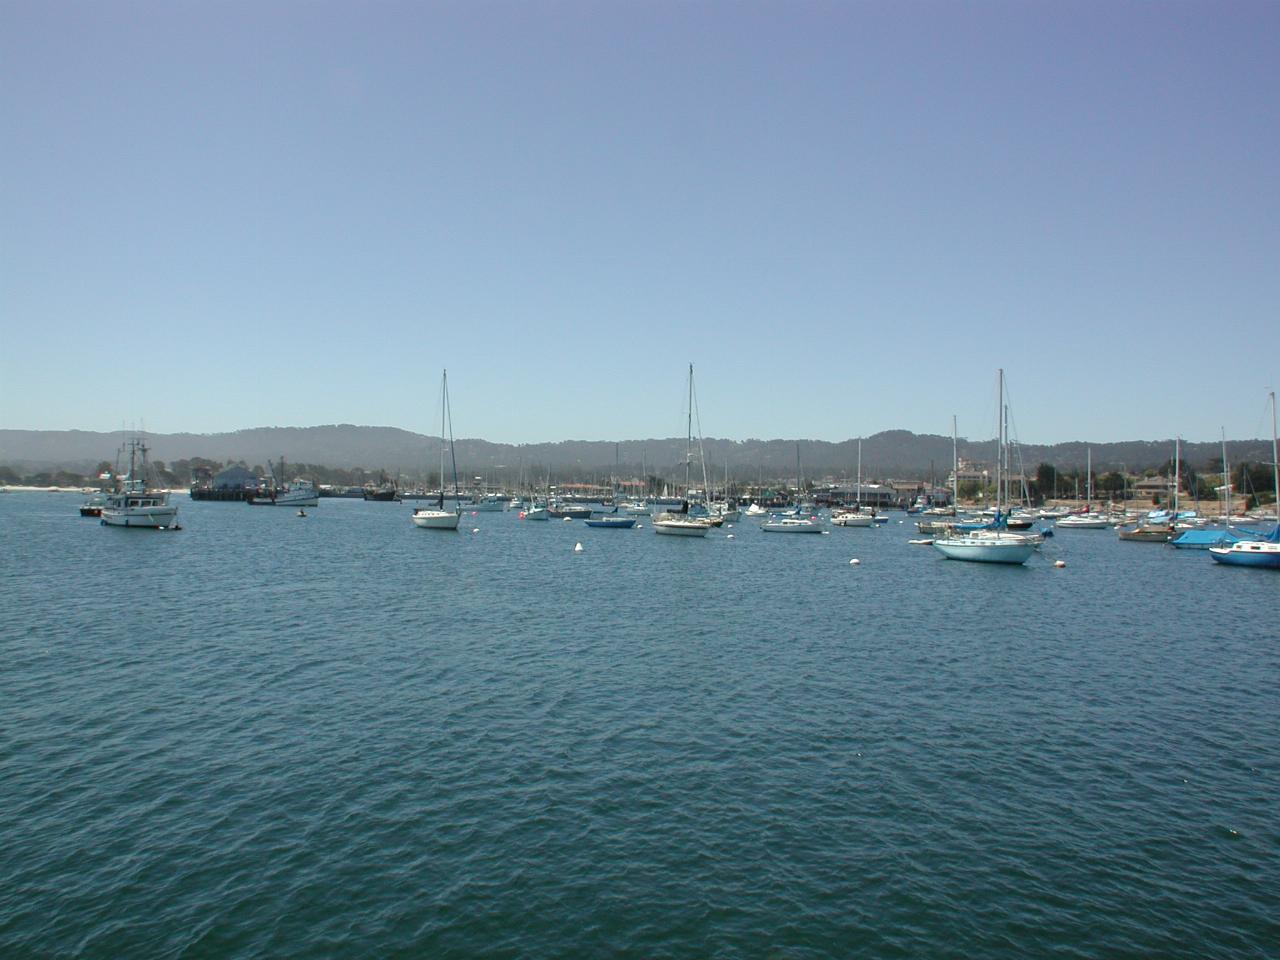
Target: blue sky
[{"x": 846, "y": 215}]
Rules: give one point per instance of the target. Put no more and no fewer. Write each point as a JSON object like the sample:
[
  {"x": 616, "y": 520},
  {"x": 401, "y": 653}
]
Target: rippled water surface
[{"x": 343, "y": 736}]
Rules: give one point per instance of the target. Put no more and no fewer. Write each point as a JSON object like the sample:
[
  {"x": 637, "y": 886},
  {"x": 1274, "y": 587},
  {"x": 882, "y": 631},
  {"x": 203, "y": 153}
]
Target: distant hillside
[{"x": 894, "y": 453}]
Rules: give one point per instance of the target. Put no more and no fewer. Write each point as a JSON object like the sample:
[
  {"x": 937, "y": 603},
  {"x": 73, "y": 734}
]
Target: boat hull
[
  {"x": 436, "y": 519},
  {"x": 853, "y": 520},
  {"x": 791, "y": 526},
  {"x": 680, "y": 528},
  {"x": 1249, "y": 553},
  {"x": 622, "y": 523},
  {"x": 991, "y": 551},
  {"x": 287, "y": 500},
  {"x": 153, "y": 518}
]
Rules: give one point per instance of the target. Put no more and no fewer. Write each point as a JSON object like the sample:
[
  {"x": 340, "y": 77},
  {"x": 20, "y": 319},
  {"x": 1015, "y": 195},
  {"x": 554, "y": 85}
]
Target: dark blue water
[{"x": 343, "y": 736}]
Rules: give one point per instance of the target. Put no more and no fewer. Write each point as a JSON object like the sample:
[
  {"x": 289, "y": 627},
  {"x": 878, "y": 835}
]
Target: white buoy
[
  {"x": 577, "y": 548},
  {"x": 855, "y": 562},
  {"x": 568, "y": 519},
  {"x": 729, "y": 537},
  {"x": 475, "y": 529},
  {"x": 1059, "y": 564},
  {"x": 639, "y": 526}
]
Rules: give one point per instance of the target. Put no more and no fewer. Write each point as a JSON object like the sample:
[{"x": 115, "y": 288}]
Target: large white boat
[
  {"x": 296, "y": 493},
  {"x": 987, "y": 546},
  {"x": 134, "y": 505},
  {"x": 439, "y": 518}
]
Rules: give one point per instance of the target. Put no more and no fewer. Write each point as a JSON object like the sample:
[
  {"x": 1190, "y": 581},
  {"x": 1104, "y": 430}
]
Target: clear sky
[{"x": 846, "y": 215}]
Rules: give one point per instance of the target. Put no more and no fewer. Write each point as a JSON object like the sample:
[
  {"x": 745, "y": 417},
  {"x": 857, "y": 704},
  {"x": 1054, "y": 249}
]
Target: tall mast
[
  {"x": 859, "y": 474},
  {"x": 1088, "y": 479},
  {"x": 1275, "y": 459},
  {"x": 1226, "y": 478},
  {"x": 1177, "y": 473},
  {"x": 688, "y": 436},
  {"x": 453, "y": 457},
  {"x": 999, "y": 442},
  {"x": 444, "y": 379},
  {"x": 955, "y": 466}
]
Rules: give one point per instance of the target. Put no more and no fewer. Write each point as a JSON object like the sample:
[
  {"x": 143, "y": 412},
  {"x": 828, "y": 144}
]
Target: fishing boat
[
  {"x": 1264, "y": 551},
  {"x": 93, "y": 506},
  {"x": 440, "y": 518},
  {"x": 134, "y": 504},
  {"x": 487, "y": 503},
  {"x": 384, "y": 491},
  {"x": 296, "y": 493},
  {"x": 994, "y": 544}
]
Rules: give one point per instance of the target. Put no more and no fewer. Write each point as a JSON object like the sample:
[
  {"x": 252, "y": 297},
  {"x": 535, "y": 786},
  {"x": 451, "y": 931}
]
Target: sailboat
[
  {"x": 538, "y": 509},
  {"x": 992, "y": 545},
  {"x": 1264, "y": 551},
  {"x": 678, "y": 523},
  {"x": 1158, "y": 526},
  {"x": 440, "y": 518},
  {"x": 794, "y": 521},
  {"x": 612, "y": 519},
  {"x": 856, "y": 517}
]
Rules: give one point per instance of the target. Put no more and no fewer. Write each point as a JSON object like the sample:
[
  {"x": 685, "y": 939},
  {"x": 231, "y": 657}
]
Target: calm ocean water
[{"x": 343, "y": 736}]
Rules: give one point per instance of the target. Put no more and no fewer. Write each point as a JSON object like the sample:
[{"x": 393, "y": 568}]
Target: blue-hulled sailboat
[{"x": 1264, "y": 551}]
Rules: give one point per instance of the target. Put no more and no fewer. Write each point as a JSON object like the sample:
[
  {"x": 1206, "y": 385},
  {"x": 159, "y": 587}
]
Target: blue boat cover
[{"x": 1204, "y": 539}]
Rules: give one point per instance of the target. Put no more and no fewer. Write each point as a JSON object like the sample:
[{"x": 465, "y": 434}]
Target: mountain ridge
[{"x": 887, "y": 454}]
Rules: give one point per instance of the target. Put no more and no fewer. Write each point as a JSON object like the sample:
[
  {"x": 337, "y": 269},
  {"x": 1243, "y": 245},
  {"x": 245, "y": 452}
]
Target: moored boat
[
  {"x": 134, "y": 504},
  {"x": 1263, "y": 551},
  {"x": 440, "y": 518}
]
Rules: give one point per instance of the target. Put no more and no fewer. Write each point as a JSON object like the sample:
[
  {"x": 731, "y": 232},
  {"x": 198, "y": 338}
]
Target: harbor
[{"x": 290, "y": 703}]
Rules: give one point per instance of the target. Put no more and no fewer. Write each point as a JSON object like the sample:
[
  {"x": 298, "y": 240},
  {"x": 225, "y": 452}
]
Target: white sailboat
[
  {"x": 440, "y": 518},
  {"x": 794, "y": 521},
  {"x": 856, "y": 517},
  {"x": 1258, "y": 551},
  {"x": 678, "y": 523},
  {"x": 994, "y": 545}
]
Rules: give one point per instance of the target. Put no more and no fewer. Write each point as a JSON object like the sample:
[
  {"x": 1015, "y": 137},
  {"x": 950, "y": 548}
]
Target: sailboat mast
[
  {"x": 999, "y": 442},
  {"x": 1177, "y": 473},
  {"x": 1004, "y": 407},
  {"x": 1226, "y": 478},
  {"x": 955, "y": 466},
  {"x": 859, "y": 495},
  {"x": 1275, "y": 458},
  {"x": 688, "y": 436}
]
